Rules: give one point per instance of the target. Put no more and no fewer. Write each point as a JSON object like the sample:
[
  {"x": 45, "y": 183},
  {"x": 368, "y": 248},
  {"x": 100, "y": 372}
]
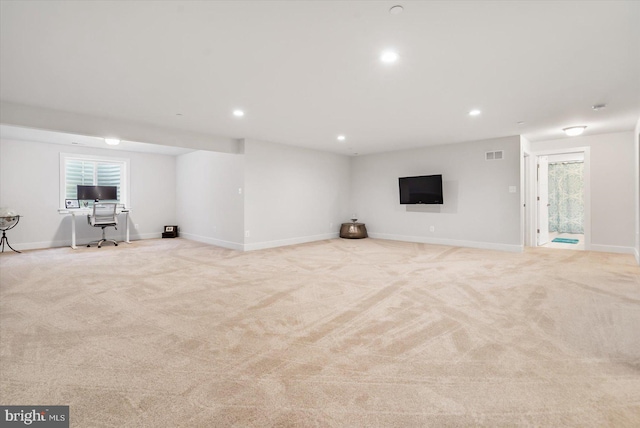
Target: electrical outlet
[
  {"x": 330, "y": 225},
  {"x": 135, "y": 226},
  {"x": 432, "y": 228},
  {"x": 247, "y": 234}
]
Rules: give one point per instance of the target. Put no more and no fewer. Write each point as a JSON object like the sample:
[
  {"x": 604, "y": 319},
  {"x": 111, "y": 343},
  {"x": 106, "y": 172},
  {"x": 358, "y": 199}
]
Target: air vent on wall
[{"x": 497, "y": 155}]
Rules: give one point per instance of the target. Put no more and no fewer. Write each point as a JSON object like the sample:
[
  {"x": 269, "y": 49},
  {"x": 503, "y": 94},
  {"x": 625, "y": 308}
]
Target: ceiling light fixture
[
  {"x": 598, "y": 107},
  {"x": 396, "y": 10},
  {"x": 574, "y": 130},
  {"x": 474, "y": 112},
  {"x": 238, "y": 113},
  {"x": 112, "y": 141},
  {"x": 389, "y": 57},
  {"x": 341, "y": 138}
]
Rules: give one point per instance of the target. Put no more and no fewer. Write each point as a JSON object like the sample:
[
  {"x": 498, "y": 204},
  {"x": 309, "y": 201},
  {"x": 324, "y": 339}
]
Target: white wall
[
  {"x": 636, "y": 157},
  {"x": 613, "y": 211},
  {"x": 30, "y": 181},
  {"x": 478, "y": 210},
  {"x": 566, "y": 157},
  {"x": 209, "y": 206},
  {"x": 293, "y": 195}
]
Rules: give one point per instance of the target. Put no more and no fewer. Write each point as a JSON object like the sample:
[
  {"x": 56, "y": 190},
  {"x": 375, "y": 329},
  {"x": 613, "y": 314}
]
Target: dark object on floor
[
  {"x": 353, "y": 230},
  {"x": 170, "y": 232}
]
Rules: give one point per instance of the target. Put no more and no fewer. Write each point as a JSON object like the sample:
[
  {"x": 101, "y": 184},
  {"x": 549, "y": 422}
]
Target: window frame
[{"x": 125, "y": 174}]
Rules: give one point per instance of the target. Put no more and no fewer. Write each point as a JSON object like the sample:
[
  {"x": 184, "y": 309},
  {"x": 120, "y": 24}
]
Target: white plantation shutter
[
  {"x": 108, "y": 174},
  {"x": 92, "y": 171},
  {"x": 78, "y": 172}
]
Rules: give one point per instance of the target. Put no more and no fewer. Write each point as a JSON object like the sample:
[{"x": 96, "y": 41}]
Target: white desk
[{"x": 83, "y": 212}]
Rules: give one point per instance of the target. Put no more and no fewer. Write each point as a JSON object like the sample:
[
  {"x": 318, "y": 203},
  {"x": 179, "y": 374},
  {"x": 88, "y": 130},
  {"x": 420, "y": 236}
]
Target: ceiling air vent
[{"x": 497, "y": 155}]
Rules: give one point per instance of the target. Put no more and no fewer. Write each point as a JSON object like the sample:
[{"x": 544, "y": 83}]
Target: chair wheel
[
  {"x": 88, "y": 245},
  {"x": 116, "y": 245}
]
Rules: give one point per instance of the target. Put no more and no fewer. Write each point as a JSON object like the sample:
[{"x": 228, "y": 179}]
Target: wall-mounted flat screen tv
[
  {"x": 102, "y": 193},
  {"x": 425, "y": 189}
]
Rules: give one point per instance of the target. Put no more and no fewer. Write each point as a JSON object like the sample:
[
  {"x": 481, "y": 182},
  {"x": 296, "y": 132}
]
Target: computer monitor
[{"x": 97, "y": 193}]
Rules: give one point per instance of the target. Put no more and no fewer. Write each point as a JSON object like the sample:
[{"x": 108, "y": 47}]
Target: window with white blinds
[{"x": 92, "y": 171}]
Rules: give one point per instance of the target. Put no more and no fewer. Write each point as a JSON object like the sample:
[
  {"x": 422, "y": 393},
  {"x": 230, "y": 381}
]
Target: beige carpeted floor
[{"x": 344, "y": 333}]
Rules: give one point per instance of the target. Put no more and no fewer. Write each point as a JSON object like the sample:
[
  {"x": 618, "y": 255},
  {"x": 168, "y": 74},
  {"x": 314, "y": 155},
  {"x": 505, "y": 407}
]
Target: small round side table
[
  {"x": 8, "y": 223},
  {"x": 353, "y": 230}
]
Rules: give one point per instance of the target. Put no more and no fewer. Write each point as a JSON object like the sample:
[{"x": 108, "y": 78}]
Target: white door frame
[
  {"x": 542, "y": 203},
  {"x": 532, "y": 193},
  {"x": 525, "y": 200}
]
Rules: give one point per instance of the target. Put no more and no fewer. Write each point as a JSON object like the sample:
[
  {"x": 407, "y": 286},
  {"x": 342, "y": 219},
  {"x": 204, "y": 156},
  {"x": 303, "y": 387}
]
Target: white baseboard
[
  {"x": 637, "y": 254},
  {"x": 38, "y": 245},
  {"x": 290, "y": 241},
  {"x": 80, "y": 242},
  {"x": 612, "y": 249},
  {"x": 204, "y": 239},
  {"x": 451, "y": 242},
  {"x": 213, "y": 241},
  {"x": 154, "y": 235}
]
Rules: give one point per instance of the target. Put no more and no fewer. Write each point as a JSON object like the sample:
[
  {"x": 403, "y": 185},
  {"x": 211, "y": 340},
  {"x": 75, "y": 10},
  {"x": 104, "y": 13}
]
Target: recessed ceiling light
[
  {"x": 396, "y": 10},
  {"x": 238, "y": 113},
  {"x": 520, "y": 123},
  {"x": 341, "y": 138},
  {"x": 574, "y": 130},
  {"x": 598, "y": 107},
  {"x": 389, "y": 57},
  {"x": 474, "y": 112},
  {"x": 112, "y": 141}
]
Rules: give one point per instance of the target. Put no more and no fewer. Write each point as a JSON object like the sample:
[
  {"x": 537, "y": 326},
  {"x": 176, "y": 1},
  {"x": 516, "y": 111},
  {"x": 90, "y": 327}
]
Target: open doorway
[
  {"x": 561, "y": 212},
  {"x": 562, "y": 175}
]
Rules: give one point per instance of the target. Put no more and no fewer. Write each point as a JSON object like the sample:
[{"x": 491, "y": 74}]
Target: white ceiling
[
  {"x": 41, "y": 136},
  {"x": 307, "y": 71}
]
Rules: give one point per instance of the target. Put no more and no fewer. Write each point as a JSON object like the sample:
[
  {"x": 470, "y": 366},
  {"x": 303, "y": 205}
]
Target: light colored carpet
[{"x": 345, "y": 333}]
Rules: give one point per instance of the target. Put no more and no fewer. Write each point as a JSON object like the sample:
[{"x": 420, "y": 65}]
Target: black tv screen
[
  {"x": 102, "y": 193},
  {"x": 425, "y": 189}
]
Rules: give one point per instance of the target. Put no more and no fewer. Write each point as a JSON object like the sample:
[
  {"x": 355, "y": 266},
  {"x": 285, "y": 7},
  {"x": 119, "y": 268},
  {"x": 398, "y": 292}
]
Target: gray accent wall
[{"x": 478, "y": 210}]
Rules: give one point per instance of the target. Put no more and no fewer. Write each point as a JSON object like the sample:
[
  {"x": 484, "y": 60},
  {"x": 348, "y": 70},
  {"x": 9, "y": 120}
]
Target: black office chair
[{"x": 104, "y": 215}]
